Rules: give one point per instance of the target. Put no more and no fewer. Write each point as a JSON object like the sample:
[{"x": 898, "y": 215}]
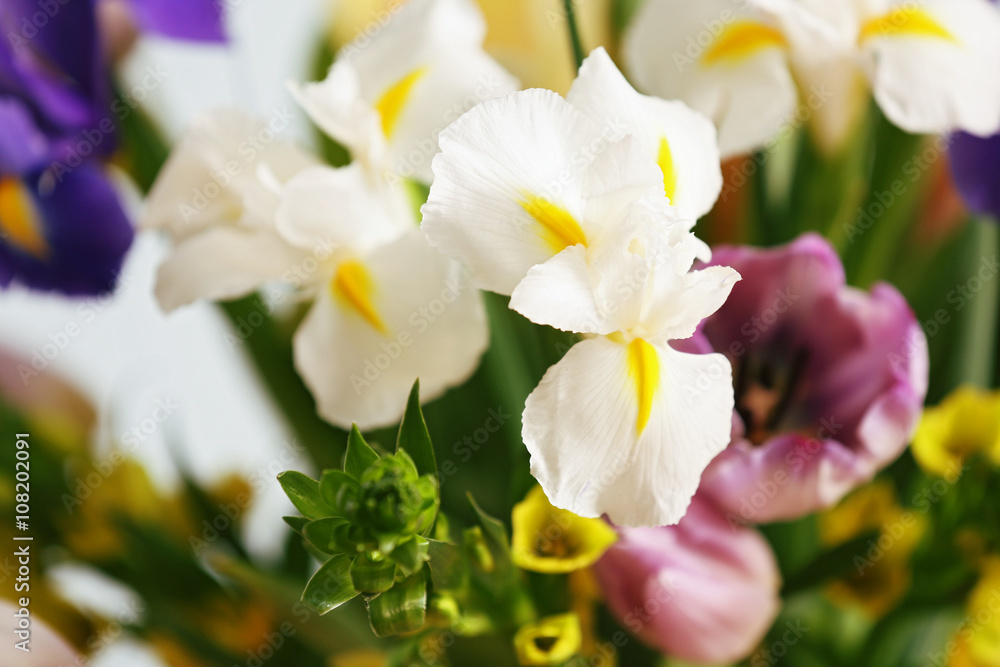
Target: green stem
[{"x": 574, "y": 33}]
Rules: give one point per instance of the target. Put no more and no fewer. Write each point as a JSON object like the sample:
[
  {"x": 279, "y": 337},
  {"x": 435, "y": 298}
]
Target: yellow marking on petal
[
  {"x": 20, "y": 224},
  {"x": 559, "y": 228},
  {"x": 905, "y": 22},
  {"x": 644, "y": 367},
  {"x": 740, "y": 41},
  {"x": 390, "y": 105},
  {"x": 665, "y": 158},
  {"x": 354, "y": 287}
]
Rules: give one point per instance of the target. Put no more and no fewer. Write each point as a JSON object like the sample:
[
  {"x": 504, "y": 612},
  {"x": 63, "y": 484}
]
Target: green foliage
[{"x": 369, "y": 521}]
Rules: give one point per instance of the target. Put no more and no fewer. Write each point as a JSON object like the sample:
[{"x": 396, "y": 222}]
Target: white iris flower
[
  {"x": 933, "y": 66},
  {"x": 387, "y": 308},
  {"x": 561, "y": 203}
]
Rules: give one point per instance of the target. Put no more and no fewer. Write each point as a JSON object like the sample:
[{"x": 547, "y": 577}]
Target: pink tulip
[
  {"x": 702, "y": 590},
  {"x": 829, "y": 381}
]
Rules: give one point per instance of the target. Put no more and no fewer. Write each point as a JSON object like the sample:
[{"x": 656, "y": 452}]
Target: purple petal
[
  {"x": 855, "y": 364},
  {"x": 23, "y": 147},
  {"x": 195, "y": 20},
  {"x": 975, "y": 165},
  {"x": 86, "y": 231}
]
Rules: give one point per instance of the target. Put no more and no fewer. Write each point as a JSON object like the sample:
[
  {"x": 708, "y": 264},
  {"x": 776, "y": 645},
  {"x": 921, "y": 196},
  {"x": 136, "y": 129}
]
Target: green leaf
[
  {"x": 413, "y": 436},
  {"x": 401, "y": 608},
  {"x": 829, "y": 564},
  {"x": 297, "y": 523},
  {"x": 338, "y": 489},
  {"x": 495, "y": 536},
  {"x": 410, "y": 554},
  {"x": 373, "y": 576},
  {"x": 448, "y": 568},
  {"x": 359, "y": 454},
  {"x": 331, "y": 586},
  {"x": 304, "y": 493},
  {"x": 330, "y": 535}
]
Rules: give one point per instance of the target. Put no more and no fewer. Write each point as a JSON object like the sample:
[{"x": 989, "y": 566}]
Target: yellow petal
[
  {"x": 966, "y": 423},
  {"x": 552, "y": 540},
  {"x": 550, "y": 641}
]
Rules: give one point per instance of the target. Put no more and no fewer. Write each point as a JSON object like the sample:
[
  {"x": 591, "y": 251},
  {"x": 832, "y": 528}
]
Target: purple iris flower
[
  {"x": 975, "y": 166},
  {"x": 62, "y": 227},
  {"x": 829, "y": 381}
]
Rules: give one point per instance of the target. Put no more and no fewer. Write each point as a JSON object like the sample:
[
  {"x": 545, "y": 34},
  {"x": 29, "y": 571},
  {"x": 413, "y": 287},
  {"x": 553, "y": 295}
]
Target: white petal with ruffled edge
[
  {"x": 323, "y": 205},
  {"x": 425, "y": 321},
  {"x": 388, "y": 96},
  {"x": 681, "y": 140},
  {"x": 581, "y": 426},
  {"x": 503, "y": 160},
  {"x": 692, "y": 51},
  {"x": 223, "y": 263},
  {"x": 212, "y": 176}
]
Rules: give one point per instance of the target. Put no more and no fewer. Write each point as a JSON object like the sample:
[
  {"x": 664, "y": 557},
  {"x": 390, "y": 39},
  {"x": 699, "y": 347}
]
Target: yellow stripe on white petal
[
  {"x": 20, "y": 223},
  {"x": 392, "y": 102},
  {"x": 435, "y": 324},
  {"x": 510, "y": 184},
  {"x": 906, "y": 21},
  {"x": 644, "y": 367},
  {"x": 415, "y": 75},
  {"x": 740, "y": 41},
  {"x": 354, "y": 288},
  {"x": 559, "y": 229},
  {"x": 665, "y": 160},
  {"x": 582, "y": 428},
  {"x": 936, "y": 68},
  {"x": 682, "y": 141},
  {"x": 735, "y": 71}
]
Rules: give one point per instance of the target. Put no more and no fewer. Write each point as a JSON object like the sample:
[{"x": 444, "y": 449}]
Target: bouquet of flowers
[{"x": 618, "y": 332}]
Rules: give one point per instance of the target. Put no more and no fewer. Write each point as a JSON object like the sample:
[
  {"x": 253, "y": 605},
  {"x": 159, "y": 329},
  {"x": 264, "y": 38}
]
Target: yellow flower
[
  {"x": 551, "y": 540},
  {"x": 881, "y": 575},
  {"x": 977, "y": 642},
  {"x": 550, "y": 641},
  {"x": 966, "y": 423}
]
